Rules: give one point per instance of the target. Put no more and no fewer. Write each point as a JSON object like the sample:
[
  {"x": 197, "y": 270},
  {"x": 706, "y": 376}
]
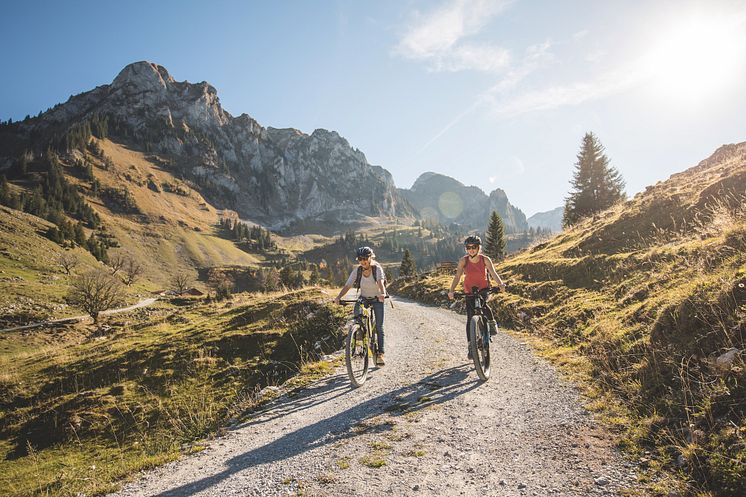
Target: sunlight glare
[{"x": 696, "y": 59}]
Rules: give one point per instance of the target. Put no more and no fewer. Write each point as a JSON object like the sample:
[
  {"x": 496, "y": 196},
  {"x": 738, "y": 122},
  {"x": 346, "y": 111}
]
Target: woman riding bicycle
[
  {"x": 477, "y": 267},
  {"x": 369, "y": 279}
]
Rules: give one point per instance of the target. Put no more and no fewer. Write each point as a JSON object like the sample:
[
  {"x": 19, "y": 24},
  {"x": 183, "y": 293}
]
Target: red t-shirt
[{"x": 475, "y": 274}]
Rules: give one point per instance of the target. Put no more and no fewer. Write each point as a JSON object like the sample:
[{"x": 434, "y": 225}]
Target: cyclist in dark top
[
  {"x": 369, "y": 279},
  {"x": 478, "y": 268}
]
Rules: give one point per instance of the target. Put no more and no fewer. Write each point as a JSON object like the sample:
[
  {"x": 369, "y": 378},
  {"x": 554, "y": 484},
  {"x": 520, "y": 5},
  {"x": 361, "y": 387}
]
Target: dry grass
[
  {"x": 638, "y": 303},
  {"x": 151, "y": 388}
]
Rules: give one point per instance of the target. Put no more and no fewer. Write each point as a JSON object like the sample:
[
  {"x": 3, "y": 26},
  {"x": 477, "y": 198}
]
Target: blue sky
[{"x": 493, "y": 93}]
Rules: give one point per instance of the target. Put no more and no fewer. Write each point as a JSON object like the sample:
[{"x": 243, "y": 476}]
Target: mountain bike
[
  {"x": 362, "y": 340},
  {"x": 479, "y": 333}
]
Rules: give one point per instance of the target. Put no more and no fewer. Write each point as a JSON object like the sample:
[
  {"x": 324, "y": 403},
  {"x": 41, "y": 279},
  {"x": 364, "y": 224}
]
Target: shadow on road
[{"x": 434, "y": 389}]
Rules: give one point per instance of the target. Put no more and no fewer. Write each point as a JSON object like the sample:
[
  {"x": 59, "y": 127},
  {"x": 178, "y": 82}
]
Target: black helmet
[
  {"x": 473, "y": 240},
  {"x": 364, "y": 252}
]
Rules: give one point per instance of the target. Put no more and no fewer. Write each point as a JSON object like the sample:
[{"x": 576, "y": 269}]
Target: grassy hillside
[
  {"x": 32, "y": 284},
  {"x": 174, "y": 228},
  {"x": 80, "y": 409},
  {"x": 650, "y": 299},
  {"x": 166, "y": 226}
]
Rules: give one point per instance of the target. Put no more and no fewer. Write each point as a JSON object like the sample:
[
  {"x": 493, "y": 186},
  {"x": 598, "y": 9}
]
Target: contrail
[{"x": 450, "y": 125}]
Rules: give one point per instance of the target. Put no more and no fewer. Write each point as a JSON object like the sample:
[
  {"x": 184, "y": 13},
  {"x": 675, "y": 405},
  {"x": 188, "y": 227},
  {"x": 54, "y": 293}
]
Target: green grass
[
  {"x": 127, "y": 401},
  {"x": 373, "y": 460}
]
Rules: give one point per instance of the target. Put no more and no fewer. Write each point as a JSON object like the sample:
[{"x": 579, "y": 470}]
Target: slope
[{"x": 651, "y": 294}]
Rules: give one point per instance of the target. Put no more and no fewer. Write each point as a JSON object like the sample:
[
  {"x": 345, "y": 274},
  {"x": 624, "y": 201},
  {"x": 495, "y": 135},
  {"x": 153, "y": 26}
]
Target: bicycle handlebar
[
  {"x": 362, "y": 300},
  {"x": 494, "y": 289}
]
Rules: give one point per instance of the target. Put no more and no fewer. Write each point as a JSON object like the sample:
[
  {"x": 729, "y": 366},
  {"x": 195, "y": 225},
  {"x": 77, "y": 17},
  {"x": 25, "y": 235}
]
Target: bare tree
[
  {"x": 181, "y": 281},
  {"x": 116, "y": 262},
  {"x": 96, "y": 291},
  {"x": 68, "y": 261},
  {"x": 132, "y": 270}
]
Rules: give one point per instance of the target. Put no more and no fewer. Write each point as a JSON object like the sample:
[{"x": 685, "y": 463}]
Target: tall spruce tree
[
  {"x": 408, "y": 267},
  {"x": 494, "y": 244},
  {"x": 595, "y": 184}
]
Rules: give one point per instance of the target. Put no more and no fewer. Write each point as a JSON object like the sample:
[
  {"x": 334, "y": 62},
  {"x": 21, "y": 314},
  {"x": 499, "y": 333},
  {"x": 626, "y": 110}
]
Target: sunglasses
[
  {"x": 472, "y": 247},
  {"x": 361, "y": 259}
]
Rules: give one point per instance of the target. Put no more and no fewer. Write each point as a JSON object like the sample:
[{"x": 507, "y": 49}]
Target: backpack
[{"x": 360, "y": 275}]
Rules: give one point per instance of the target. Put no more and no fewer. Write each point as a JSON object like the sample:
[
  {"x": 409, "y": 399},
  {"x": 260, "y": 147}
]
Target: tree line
[
  {"x": 258, "y": 237},
  {"x": 55, "y": 199}
]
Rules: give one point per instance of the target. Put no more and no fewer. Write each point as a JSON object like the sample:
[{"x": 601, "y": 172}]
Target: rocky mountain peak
[
  {"x": 444, "y": 199},
  {"x": 143, "y": 76},
  {"x": 278, "y": 177},
  {"x": 499, "y": 194}
]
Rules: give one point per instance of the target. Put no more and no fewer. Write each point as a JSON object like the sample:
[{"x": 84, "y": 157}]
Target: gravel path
[
  {"x": 433, "y": 428},
  {"x": 83, "y": 317}
]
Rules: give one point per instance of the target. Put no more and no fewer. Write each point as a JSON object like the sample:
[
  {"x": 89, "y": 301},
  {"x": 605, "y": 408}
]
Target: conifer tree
[
  {"x": 408, "y": 267},
  {"x": 595, "y": 185},
  {"x": 315, "y": 277},
  {"x": 494, "y": 244}
]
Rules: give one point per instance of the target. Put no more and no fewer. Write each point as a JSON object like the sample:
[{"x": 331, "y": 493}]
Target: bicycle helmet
[
  {"x": 473, "y": 240},
  {"x": 364, "y": 252}
]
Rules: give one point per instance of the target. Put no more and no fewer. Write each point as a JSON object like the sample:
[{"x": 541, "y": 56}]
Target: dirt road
[
  {"x": 74, "y": 319},
  {"x": 421, "y": 425}
]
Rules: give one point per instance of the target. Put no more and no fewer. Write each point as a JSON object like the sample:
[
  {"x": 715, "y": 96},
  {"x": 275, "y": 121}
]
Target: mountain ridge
[
  {"x": 270, "y": 175},
  {"x": 444, "y": 199},
  {"x": 279, "y": 177}
]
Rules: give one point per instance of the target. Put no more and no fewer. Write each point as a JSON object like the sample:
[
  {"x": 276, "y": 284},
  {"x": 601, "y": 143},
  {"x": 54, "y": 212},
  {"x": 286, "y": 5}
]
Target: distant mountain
[
  {"x": 549, "y": 219},
  {"x": 272, "y": 176},
  {"x": 445, "y": 200}
]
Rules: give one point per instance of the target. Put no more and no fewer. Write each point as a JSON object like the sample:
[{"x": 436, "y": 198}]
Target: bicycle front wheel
[
  {"x": 356, "y": 355},
  {"x": 479, "y": 342}
]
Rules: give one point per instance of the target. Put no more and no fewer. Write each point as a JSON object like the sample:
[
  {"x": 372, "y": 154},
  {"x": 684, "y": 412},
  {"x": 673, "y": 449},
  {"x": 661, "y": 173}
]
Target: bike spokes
[
  {"x": 480, "y": 346},
  {"x": 357, "y": 355}
]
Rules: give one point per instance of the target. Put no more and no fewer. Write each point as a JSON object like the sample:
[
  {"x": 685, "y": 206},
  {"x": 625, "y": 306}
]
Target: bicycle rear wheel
[
  {"x": 479, "y": 343},
  {"x": 356, "y": 355}
]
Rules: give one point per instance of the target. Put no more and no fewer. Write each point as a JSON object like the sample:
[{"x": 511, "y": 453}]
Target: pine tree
[
  {"x": 315, "y": 277},
  {"x": 287, "y": 277},
  {"x": 408, "y": 267},
  {"x": 596, "y": 185},
  {"x": 494, "y": 244}
]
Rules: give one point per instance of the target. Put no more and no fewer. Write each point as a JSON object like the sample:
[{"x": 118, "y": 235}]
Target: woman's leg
[
  {"x": 378, "y": 311},
  {"x": 469, "y": 314}
]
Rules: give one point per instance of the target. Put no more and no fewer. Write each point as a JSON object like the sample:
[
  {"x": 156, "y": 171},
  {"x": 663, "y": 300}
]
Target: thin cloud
[
  {"x": 536, "y": 56},
  {"x": 472, "y": 56},
  {"x": 437, "y": 37},
  {"x": 580, "y": 34},
  {"x": 619, "y": 79},
  {"x": 451, "y": 124},
  {"x": 610, "y": 83}
]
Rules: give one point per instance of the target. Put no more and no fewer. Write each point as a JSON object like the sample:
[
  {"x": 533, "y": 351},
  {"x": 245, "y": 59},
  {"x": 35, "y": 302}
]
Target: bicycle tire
[
  {"x": 357, "y": 357},
  {"x": 480, "y": 346}
]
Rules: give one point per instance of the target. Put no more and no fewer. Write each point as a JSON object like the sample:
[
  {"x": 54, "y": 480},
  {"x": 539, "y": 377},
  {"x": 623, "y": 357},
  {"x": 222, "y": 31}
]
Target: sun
[{"x": 697, "y": 58}]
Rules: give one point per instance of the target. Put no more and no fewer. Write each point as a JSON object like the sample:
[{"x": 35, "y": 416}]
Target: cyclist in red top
[{"x": 477, "y": 267}]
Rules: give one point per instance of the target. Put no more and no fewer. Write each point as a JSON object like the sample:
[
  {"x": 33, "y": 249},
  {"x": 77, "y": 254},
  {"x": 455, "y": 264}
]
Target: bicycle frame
[
  {"x": 360, "y": 347},
  {"x": 479, "y": 336},
  {"x": 366, "y": 321}
]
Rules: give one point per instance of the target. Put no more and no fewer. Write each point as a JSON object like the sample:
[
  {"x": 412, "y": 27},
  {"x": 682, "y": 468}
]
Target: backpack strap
[{"x": 360, "y": 275}]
